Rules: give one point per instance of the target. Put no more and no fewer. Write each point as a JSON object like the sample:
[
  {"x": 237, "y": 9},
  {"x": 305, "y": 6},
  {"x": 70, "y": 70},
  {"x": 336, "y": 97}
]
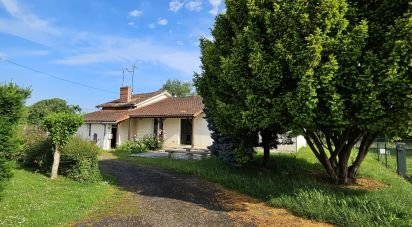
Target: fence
[{"x": 385, "y": 152}]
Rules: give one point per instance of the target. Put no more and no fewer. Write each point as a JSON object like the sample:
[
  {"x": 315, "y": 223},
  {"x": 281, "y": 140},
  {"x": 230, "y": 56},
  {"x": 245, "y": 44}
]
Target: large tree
[
  {"x": 337, "y": 71},
  {"x": 39, "y": 110},
  {"x": 178, "y": 88},
  {"x": 238, "y": 82}
]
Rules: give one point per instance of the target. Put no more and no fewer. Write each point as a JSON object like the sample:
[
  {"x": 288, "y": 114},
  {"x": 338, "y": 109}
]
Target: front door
[
  {"x": 186, "y": 131},
  {"x": 113, "y": 141}
]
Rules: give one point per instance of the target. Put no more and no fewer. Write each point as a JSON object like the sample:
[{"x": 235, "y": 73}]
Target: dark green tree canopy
[
  {"x": 178, "y": 88},
  {"x": 337, "y": 71},
  {"x": 39, "y": 110},
  {"x": 61, "y": 126},
  {"x": 12, "y": 101}
]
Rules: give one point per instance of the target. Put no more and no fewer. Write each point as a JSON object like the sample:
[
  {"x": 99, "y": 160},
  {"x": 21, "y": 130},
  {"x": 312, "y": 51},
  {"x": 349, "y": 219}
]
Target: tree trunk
[
  {"x": 343, "y": 165},
  {"x": 56, "y": 162},
  {"x": 266, "y": 148},
  {"x": 337, "y": 164}
]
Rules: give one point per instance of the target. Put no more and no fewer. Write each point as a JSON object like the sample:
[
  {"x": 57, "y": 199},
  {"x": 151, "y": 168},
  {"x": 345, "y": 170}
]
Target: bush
[
  {"x": 37, "y": 151},
  {"x": 141, "y": 145},
  {"x": 5, "y": 172},
  {"x": 79, "y": 160}
]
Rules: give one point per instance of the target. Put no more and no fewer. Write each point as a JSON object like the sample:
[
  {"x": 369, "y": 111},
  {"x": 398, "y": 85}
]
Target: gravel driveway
[{"x": 161, "y": 198}]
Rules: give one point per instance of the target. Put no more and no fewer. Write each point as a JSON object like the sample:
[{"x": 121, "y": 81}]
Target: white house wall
[
  {"x": 201, "y": 133},
  {"x": 102, "y": 131},
  {"x": 171, "y": 130},
  {"x": 144, "y": 127},
  {"x": 123, "y": 132}
]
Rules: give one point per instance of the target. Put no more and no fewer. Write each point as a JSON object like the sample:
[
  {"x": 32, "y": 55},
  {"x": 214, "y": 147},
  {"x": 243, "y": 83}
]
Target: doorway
[
  {"x": 186, "y": 131},
  {"x": 113, "y": 141}
]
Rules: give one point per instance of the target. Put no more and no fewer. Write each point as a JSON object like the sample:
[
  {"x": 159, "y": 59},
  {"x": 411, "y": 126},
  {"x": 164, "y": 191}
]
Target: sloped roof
[
  {"x": 114, "y": 116},
  {"x": 136, "y": 99},
  {"x": 171, "y": 107}
]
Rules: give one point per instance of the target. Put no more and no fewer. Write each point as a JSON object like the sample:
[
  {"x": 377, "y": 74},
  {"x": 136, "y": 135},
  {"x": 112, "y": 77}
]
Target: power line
[{"x": 54, "y": 76}]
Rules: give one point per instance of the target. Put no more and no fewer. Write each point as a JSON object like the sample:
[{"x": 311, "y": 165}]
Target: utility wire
[{"x": 55, "y": 77}]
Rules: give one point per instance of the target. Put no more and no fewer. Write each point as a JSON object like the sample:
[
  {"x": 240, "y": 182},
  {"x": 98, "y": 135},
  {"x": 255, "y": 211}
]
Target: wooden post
[{"x": 193, "y": 132}]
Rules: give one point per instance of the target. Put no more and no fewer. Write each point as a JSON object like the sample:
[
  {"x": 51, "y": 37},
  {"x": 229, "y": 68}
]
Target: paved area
[
  {"x": 161, "y": 198},
  {"x": 163, "y": 154}
]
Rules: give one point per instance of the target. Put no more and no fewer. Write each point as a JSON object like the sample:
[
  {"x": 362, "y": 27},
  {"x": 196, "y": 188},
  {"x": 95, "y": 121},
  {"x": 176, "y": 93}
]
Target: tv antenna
[{"x": 134, "y": 67}]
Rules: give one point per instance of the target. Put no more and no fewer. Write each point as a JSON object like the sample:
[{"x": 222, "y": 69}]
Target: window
[{"x": 90, "y": 130}]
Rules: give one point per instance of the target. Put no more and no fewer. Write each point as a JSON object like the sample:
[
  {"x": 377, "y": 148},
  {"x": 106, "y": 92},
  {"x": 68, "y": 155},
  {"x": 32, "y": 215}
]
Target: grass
[
  {"x": 295, "y": 182},
  {"x": 391, "y": 159},
  {"x": 31, "y": 199}
]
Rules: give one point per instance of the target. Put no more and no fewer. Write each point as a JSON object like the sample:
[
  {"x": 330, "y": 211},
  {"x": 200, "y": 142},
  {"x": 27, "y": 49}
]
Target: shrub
[
  {"x": 152, "y": 142},
  {"x": 37, "y": 150},
  {"x": 5, "y": 172},
  {"x": 141, "y": 145},
  {"x": 79, "y": 160}
]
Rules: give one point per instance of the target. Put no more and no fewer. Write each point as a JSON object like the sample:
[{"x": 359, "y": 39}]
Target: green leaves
[
  {"x": 178, "y": 88},
  {"x": 61, "y": 126},
  {"x": 39, "y": 110},
  {"x": 12, "y": 100}
]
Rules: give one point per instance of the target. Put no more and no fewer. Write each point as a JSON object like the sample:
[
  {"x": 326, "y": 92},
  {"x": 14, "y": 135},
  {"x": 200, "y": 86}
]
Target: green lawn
[
  {"x": 391, "y": 159},
  {"x": 31, "y": 199},
  {"x": 295, "y": 182}
]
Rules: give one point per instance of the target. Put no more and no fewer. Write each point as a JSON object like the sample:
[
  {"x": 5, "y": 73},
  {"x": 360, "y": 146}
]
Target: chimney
[{"x": 125, "y": 94}]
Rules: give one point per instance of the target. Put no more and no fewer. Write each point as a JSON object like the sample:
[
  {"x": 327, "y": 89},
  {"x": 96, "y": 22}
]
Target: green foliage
[
  {"x": 337, "y": 71},
  {"x": 12, "y": 99},
  {"x": 39, "y": 111},
  {"x": 178, "y": 88},
  {"x": 61, "y": 126},
  {"x": 5, "y": 172},
  {"x": 79, "y": 161},
  {"x": 144, "y": 144}
]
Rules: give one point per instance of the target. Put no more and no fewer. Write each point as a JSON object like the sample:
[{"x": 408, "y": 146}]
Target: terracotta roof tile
[
  {"x": 114, "y": 116},
  {"x": 136, "y": 99},
  {"x": 171, "y": 107}
]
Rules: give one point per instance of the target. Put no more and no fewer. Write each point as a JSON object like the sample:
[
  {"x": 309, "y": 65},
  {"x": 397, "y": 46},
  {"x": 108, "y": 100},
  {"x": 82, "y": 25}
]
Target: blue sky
[{"x": 91, "y": 41}]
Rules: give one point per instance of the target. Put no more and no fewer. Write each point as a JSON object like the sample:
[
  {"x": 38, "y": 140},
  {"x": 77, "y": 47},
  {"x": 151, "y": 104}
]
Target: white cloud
[
  {"x": 175, "y": 5},
  {"x": 162, "y": 22},
  {"x": 215, "y": 6},
  {"x": 195, "y": 5},
  {"x": 131, "y": 23},
  {"x": 120, "y": 50},
  {"x": 2, "y": 55},
  {"x": 27, "y": 25},
  {"x": 135, "y": 13}
]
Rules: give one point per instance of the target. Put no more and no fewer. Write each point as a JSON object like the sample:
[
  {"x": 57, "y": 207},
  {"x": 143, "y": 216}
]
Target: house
[{"x": 178, "y": 120}]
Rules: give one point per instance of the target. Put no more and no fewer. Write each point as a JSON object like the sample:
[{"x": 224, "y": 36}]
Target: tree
[
  {"x": 61, "y": 126},
  {"x": 337, "y": 71},
  {"x": 238, "y": 83},
  {"x": 39, "y": 110},
  {"x": 12, "y": 99},
  {"x": 178, "y": 88}
]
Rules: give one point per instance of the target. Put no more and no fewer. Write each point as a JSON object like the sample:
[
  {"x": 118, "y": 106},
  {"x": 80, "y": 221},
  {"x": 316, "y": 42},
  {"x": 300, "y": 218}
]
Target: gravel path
[{"x": 161, "y": 198}]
